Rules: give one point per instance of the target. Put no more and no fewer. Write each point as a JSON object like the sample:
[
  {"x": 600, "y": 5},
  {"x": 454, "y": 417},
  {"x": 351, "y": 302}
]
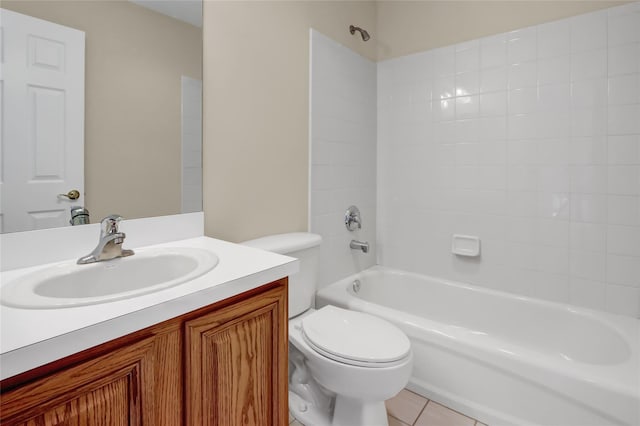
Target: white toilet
[{"x": 343, "y": 364}]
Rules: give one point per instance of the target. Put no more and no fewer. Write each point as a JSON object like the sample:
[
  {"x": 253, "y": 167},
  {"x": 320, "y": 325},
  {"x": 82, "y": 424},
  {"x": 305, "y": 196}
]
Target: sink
[{"x": 67, "y": 284}]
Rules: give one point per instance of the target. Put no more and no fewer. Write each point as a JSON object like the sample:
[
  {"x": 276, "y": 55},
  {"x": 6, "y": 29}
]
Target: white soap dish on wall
[{"x": 465, "y": 245}]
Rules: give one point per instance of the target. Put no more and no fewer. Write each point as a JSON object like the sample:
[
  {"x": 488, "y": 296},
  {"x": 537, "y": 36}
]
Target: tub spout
[{"x": 360, "y": 245}]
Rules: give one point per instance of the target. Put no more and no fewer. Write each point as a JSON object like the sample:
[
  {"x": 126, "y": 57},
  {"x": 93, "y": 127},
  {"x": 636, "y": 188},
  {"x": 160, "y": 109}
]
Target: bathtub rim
[{"x": 623, "y": 323}]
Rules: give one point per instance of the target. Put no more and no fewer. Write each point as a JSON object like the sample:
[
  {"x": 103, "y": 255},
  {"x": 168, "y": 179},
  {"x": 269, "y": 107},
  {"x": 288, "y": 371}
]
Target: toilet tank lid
[{"x": 285, "y": 243}]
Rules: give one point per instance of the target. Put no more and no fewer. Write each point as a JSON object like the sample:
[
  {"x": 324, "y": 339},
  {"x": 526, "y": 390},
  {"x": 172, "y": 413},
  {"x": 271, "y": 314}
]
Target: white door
[{"x": 42, "y": 134}]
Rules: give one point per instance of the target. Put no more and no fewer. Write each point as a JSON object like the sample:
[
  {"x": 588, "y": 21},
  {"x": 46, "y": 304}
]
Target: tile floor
[{"x": 410, "y": 409}]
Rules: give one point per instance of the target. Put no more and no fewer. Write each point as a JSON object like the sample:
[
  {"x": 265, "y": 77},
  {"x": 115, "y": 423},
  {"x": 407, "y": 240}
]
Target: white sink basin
[{"x": 67, "y": 284}]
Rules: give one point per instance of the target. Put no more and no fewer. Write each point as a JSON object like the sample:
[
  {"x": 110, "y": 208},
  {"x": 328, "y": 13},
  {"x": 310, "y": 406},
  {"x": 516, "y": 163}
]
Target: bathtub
[{"x": 501, "y": 358}]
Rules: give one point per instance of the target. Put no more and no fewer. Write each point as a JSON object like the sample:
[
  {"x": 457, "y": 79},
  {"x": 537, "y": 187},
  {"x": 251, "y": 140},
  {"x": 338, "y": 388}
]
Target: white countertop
[{"x": 33, "y": 337}]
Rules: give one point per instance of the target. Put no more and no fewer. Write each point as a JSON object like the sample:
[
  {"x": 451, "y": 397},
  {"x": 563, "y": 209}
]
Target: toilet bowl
[
  {"x": 359, "y": 359},
  {"x": 343, "y": 364}
]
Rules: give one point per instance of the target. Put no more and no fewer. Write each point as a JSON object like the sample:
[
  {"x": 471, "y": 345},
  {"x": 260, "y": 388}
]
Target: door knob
[{"x": 74, "y": 194}]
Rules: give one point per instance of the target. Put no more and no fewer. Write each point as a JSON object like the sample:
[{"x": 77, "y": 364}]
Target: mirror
[{"x": 141, "y": 112}]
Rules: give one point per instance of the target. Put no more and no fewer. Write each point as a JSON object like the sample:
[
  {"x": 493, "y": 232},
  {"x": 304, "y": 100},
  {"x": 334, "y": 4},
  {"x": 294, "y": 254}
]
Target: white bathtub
[{"x": 505, "y": 359}]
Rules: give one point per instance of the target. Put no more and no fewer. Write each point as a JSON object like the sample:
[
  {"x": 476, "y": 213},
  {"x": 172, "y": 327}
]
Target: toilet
[{"x": 343, "y": 364}]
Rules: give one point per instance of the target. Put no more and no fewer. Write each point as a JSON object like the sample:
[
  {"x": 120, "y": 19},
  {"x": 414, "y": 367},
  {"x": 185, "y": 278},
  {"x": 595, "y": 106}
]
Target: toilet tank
[{"x": 305, "y": 247}]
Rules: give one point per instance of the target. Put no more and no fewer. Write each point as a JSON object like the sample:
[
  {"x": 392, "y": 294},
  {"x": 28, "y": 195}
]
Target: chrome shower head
[{"x": 363, "y": 33}]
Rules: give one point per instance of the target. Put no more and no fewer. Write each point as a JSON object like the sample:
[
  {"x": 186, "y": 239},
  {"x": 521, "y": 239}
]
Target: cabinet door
[
  {"x": 237, "y": 363},
  {"x": 110, "y": 390}
]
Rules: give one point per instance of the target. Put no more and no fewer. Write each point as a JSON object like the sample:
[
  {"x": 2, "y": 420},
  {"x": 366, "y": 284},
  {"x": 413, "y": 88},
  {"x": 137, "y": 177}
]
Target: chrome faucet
[
  {"x": 360, "y": 245},
  {"x": 352, "y": 219},
  {"x": 110, "y": 243}
]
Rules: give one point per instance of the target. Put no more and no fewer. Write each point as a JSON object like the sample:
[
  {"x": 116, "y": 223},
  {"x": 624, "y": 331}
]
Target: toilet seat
[{"x": 355, "y": 338}]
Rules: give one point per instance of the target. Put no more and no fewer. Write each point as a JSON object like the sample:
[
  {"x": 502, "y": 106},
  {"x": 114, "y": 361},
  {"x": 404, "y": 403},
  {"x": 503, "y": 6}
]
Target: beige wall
[
  {"x": 134, "y": 61},
  {"x": 256, "y": 89},
  {"x": 256, "y": 86},
  {"x": 405, "y": 27}
]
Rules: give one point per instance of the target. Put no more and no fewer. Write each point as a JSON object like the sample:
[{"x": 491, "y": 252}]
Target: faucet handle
[
  {"x": 109, "y": 224},
  {"x": 352, "y": 219}
]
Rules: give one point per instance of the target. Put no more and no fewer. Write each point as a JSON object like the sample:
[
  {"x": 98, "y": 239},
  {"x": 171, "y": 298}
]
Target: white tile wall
[
  {"x": 343, "y": 151},
  {"x": 530, "y": 140},
  {"x": 191, "y": 145}
]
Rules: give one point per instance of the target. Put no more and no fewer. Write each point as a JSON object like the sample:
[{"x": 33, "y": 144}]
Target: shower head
[{"x": 363, "y": 33}]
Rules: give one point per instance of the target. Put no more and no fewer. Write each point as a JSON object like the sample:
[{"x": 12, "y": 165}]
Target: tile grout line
[
  {"x": 607, "y": 168},
  {"x": 421, "y": 411}
]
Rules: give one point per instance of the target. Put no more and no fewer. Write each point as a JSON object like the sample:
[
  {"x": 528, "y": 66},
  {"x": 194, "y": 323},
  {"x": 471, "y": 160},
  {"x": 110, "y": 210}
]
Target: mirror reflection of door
[{"x": 42, "y": 139}]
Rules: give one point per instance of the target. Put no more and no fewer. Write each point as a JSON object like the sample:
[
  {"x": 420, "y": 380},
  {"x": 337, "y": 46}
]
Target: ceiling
[{"x": 189, "y": 11}]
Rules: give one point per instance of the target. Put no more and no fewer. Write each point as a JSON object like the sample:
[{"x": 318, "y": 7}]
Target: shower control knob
[{"x": 352, "y": 219}]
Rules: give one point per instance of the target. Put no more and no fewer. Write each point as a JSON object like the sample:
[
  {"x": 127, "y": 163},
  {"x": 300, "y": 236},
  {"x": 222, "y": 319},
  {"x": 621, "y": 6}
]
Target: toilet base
[
  {"x": 349, "y": 412},
  {"x": 307, "y": 413}
]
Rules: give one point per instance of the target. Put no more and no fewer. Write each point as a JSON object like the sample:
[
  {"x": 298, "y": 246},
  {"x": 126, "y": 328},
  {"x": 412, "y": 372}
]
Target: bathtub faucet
[{"x": 360, "y": 245}]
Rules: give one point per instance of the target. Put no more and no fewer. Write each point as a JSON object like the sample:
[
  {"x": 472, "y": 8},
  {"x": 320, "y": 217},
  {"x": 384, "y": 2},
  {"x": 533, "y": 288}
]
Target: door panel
[
  {"x": 42, "y": 134},
  {"x": 236, "y": 364},
  {"x": 109, "y": 390}
]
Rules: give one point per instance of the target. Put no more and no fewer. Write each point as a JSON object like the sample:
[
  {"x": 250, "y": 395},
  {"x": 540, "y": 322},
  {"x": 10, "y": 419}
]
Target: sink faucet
[{"x": 110, "y": 243}]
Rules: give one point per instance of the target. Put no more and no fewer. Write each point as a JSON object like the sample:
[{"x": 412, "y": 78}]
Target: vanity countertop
[{"x": 33, "y": 337}]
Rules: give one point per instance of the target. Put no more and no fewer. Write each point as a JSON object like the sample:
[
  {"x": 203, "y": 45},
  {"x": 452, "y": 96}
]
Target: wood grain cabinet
[{"x": 225, "y": 365}]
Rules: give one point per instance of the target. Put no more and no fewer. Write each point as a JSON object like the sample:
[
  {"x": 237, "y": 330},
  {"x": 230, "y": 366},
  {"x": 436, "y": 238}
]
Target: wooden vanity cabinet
[
  {"x": 225, "y": 364},
  {"x": 117, "y": 388}
]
